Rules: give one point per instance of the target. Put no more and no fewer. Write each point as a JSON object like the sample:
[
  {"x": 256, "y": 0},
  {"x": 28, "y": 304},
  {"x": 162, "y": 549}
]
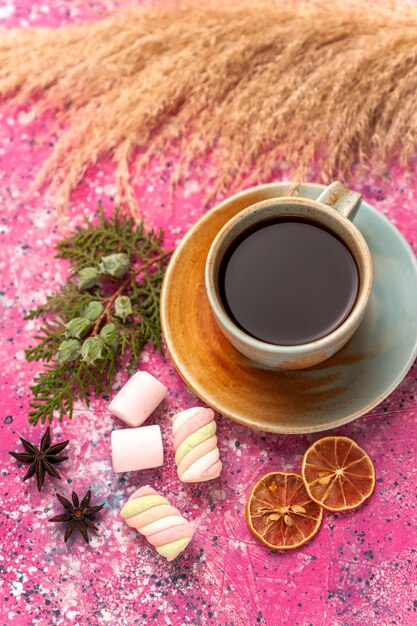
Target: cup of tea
[{"x": 289, "y": 279}]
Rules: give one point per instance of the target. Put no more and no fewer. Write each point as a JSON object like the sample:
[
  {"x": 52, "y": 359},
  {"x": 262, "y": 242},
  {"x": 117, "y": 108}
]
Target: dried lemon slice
[
  {"x": 338, "y": 474},
  {"x": 280, "y": 513}
]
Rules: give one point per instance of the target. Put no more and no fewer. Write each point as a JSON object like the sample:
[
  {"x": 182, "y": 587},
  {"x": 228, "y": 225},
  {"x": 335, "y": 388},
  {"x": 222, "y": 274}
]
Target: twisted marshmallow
[
  {"x": 195, "y": 445},
  {"x": 161, "y": 524}
]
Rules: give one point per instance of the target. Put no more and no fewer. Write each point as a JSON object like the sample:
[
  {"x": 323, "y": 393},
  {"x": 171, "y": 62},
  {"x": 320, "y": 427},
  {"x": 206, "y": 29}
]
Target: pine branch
[
  {"x": 67, "y": 301},
  {"x": 119, "y": 234},
  {"x": 88, "y": 331},
  {"x": 52, "y": 392},
  {"x": 49, "y": 340},
  {"x": 148, "y": 309},
  {"x": 132, "y": 343}
]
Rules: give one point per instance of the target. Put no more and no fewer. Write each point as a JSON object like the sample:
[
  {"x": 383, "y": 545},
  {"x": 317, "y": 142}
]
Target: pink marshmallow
[
  {"x": 199, "y": 420},
  {"x": 196, "y": 453},
  {"x": 136, "y": 449},
  {"x": 145, "y": 490},
  {"x": 161, "y": 523},
  {"x": 213, "y": 471},
  {"x": 201, "y": 462},
  {"x": 183, "y": 531},
  {"x": 137, "y": 399},
  {"x": 152, "y": 515}
]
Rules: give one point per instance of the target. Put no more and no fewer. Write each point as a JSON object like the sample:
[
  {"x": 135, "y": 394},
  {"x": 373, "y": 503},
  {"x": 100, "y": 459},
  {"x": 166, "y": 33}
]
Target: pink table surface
[{"x": 360, "y": 568}]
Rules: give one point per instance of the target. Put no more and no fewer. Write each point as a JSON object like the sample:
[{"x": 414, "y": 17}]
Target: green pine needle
[{"x": 56, "y": 388}]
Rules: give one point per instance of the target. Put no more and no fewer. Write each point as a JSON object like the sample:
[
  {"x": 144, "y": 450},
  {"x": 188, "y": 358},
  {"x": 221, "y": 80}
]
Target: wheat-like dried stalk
[{"x": 250, "y": 82}]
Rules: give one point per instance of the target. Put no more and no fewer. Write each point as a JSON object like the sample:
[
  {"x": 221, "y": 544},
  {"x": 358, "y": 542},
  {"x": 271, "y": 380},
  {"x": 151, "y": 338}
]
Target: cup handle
[{"x": 339, "y": 197}]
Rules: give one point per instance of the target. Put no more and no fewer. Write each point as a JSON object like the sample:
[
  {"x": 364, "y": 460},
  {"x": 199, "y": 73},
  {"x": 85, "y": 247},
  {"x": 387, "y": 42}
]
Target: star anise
[
  {"x": 78, "y": 515},
  {"x": 41, "y": 459}
]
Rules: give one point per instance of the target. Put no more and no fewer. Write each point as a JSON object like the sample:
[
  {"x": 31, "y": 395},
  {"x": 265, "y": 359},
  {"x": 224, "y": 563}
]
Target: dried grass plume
[{"x": 247, "y": 81}]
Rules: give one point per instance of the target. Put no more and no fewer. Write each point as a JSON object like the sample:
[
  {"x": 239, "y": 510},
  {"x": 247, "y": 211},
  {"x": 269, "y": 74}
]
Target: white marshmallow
[
  {"x": 137, "y": 448},
  {"x": 137, "y": 399}
]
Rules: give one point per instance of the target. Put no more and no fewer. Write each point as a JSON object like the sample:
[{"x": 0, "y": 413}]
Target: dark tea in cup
[
  {"x": 288, "y": 282},
  {"x": 289, "y": 278}
]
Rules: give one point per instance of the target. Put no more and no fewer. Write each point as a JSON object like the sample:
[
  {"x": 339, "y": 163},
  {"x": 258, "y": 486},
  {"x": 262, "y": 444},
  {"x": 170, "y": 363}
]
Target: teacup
[{"x": 332, "y": 212}]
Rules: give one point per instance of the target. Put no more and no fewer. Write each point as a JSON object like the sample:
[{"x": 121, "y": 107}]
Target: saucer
[{"x": 339, "y": 390}]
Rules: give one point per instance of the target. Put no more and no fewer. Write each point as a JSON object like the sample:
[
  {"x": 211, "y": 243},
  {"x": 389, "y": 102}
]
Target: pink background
[{"x": 360, "y": 568}]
